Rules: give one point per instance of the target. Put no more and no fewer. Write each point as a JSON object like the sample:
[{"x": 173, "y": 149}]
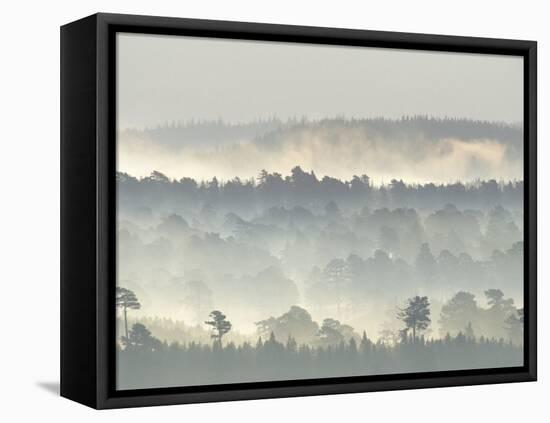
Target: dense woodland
[
  {"x": 199, "y": 364},
  {"x": 207, "y": 133},
  {"x": 331, "y": 349},
  {"x": 310, "y": 249},
  {"x": 282, "y": 276},
  {"x": 304, "y": 189}
]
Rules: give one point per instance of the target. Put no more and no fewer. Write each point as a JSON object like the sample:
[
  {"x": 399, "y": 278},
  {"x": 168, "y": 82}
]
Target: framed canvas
[{"x": 256, "y": 211}]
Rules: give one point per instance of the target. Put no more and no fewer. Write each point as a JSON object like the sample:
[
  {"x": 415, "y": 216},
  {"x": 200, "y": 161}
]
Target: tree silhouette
[
  {"x": 495, "y": 298},
  {"x": 220, "y": 325},
  {"x": 140, "y": 338},
  {"x": 333, "y": 332},
  {"x": 126, "y": 299},
  {"x": 295, "y": 323},
  {"x": 514, "y": 326},
  {"x": 416, "y": 315},
  {"x": 497, "y": 313},
  {"x": 458, "y": 312},
  {"x": 330, "y": 333}
]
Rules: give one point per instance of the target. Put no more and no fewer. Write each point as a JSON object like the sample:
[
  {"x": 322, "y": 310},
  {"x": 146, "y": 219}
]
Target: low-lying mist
[
  {"x": 324, "y": 248},
  {"x": 337, "y": 148}
]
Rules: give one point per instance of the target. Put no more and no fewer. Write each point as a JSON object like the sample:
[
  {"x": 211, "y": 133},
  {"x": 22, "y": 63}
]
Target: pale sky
[{"x": 173, "y": 78}]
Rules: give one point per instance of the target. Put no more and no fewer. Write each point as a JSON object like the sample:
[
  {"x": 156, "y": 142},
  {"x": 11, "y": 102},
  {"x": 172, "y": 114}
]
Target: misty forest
[{"x": 294, "y": 249}]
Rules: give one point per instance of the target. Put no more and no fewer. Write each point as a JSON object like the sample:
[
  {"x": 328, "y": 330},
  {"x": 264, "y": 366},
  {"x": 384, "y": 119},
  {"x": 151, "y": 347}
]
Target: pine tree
[
  {"x": 126, "y": 299},
  {"x": 220, "y": 325},
  {"x": 416, "y": 315}
]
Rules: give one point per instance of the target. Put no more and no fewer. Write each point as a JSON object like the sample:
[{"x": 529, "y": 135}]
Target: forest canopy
[{"x": 298, "y": 273}]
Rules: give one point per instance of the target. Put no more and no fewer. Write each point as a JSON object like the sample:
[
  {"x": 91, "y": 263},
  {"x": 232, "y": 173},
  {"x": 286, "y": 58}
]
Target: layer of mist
[
  {"x": 417, "y": 149},
  {"x": 267, "y": 251}
]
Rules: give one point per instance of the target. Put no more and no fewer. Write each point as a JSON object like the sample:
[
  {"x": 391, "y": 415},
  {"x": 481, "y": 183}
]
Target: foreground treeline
[
  {"x": 145, "y": 362},
  {"x": 332, "y": 349}
]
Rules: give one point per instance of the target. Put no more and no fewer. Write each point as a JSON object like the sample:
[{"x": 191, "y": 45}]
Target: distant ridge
[{"x": 208, "y": 133}]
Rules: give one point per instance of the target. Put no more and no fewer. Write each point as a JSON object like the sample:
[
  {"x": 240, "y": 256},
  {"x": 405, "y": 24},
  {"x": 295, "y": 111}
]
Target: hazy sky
[{"x": 172, "y": 78}]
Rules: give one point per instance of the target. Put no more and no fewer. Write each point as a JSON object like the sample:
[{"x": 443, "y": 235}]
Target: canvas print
[{"x": 292, "y": 211}]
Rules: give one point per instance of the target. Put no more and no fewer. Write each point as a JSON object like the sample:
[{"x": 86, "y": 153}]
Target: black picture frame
[{"x": 88, "y": 209}]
